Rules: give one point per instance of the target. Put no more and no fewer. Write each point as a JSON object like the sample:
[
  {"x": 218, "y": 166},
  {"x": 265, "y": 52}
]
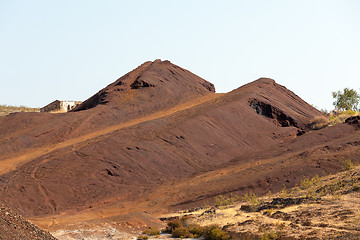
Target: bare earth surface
[
  {"x": 13, "y": 226},
  {"x": 324, "y": 208},
  {"x": 157, "y": 140}
]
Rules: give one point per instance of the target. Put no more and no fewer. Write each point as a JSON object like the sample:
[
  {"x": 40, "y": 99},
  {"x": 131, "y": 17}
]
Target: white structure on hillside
[{"x": 60, "y": 106}]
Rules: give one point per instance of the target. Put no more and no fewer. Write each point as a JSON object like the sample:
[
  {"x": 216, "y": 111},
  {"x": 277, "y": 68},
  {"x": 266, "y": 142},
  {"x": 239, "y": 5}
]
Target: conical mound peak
[{"x": 160, "y": 80}]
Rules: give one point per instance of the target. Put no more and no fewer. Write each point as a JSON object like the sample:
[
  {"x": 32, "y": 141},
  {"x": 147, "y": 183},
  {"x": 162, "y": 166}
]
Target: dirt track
[{"x": 11, "y": 164}]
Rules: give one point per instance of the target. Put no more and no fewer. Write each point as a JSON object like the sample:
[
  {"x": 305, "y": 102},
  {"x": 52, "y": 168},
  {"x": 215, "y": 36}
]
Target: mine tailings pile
[{"x": 159, "y": 138}]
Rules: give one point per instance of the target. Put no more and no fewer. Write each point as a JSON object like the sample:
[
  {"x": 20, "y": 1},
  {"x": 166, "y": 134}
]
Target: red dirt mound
[
  {"x": 159, "y": 137},
  {"x": 159, "y": 84}
]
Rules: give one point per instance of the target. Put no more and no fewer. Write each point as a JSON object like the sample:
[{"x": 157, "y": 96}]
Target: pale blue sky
[{"x": 69, "y": 50}]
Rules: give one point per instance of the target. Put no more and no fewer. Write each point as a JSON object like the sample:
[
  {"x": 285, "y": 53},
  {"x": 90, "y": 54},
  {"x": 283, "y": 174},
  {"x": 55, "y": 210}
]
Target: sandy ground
[
  {"x": 331, "y": 212},
  {"x": 330, "y": 209}
]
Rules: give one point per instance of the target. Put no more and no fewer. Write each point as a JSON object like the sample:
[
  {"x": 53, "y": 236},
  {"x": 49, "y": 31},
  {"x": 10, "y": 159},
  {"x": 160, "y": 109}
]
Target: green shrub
[
  {"x": 213, "y": 232},
  {"x": 152, "y": 232},
  {"x": 348, "y": 99},
  {"x": 178, "y": 229},
  {"x": 221, "y": 200},
  {"x": 196, "y": 230},
  {"x": 340, "y": 116},
  {"x": 172, "y": 225},
  {"x": 252, "y": 200},
  {"x": 181, "y": 232},
  {"x": 307, "y": 182},
  {"x": 285, "y": 192},
  {"x": 270, "y": 236},
  {"x": 348, "y": 165}
]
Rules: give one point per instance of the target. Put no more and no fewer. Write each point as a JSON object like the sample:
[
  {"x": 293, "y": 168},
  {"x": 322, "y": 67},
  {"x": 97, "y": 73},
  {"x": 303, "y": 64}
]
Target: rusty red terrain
[{"x": 161, "y": 138}]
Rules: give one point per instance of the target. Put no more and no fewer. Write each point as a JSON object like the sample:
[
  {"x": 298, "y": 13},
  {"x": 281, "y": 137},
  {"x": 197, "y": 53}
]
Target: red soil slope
[
  {"x": 162, "y": 86},
  {"x": 160, "y": 137},
  {"x": 14, "y": 226}
]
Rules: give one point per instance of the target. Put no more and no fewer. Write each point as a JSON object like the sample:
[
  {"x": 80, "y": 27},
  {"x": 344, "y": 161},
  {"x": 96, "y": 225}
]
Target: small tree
[{"x": 346, "y": 100}]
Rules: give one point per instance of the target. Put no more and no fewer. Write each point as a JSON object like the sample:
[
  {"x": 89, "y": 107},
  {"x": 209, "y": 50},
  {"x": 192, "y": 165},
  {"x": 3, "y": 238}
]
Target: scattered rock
[
  {"x": 278, "y": 203},
  {"x": 13, "y": 226},
  {"x": 281, "y": 215},
  {"x": 246, "y": 222},
  {"x": 353, "y": 120}
]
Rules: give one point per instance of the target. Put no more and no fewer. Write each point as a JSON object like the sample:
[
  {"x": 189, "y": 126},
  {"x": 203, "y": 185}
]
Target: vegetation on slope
[
  {"x": 348, "y": 99},
  {"x": 319, "y": 208},
  {"x": 331, "y": 119},
  {"x": 346, "y": 105},
  {"x": 7, "y": 109}
]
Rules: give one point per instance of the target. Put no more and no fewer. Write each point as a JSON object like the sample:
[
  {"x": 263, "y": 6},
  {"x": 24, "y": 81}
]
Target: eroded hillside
[{"x": 159, "y": 139}]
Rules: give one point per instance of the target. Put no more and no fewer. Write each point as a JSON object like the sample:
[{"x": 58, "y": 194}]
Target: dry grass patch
[
  {"x": 7, "y": 109},
  {"x": 341, "y": 116},
  {"x": 319, "y": 122},
  {"x": 325, "y": 207},
  {"x": 331, "y": 119}
]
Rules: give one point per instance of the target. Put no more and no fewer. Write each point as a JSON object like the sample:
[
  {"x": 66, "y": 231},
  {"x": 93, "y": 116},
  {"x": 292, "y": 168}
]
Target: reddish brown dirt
[
  {"x": 13, "y": 226},
  {"x": 160, "y": 138}
]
